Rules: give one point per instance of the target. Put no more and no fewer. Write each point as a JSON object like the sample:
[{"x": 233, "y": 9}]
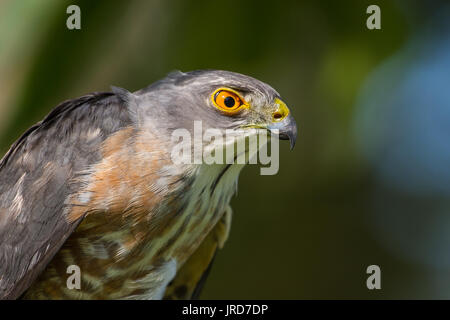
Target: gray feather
[{"x": 35, "y": 181}]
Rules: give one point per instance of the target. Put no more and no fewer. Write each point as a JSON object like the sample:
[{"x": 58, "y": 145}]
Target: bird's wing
[
  {"x": 37, "y": 176},
  {"x": 191, "y": 277}
]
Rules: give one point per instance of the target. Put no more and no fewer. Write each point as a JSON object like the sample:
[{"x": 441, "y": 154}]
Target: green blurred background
[{"x": 310, "y": 231}]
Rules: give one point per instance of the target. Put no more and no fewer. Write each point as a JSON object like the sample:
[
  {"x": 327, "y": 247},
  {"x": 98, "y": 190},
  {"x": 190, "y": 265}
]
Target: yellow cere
[{"x": 281, "y": 111}]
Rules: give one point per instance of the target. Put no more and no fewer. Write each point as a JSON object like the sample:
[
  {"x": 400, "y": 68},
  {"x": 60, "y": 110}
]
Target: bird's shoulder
[{"x": 36, "y": 179}]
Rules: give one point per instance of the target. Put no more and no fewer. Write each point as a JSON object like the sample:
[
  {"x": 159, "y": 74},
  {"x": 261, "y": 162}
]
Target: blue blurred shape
[{"x": 403, "y": 115}]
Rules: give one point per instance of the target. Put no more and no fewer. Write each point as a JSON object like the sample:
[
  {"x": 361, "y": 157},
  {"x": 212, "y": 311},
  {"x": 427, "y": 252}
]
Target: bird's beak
[{"x": 284, "y": 122}]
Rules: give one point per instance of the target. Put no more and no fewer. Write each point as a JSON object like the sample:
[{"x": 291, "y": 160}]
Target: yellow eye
[{"x": 228, "y": 101}]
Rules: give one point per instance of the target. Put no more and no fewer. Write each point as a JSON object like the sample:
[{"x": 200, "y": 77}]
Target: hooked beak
[
  {"x": 287, "y": 129},
  {"x": 284, "y": 122}
]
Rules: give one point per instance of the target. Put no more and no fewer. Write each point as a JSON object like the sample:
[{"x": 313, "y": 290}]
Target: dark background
[{"x": 368, "y": 181}]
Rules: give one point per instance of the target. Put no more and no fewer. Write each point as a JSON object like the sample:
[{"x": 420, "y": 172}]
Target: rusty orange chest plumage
[{"x": 144, "y": 217}]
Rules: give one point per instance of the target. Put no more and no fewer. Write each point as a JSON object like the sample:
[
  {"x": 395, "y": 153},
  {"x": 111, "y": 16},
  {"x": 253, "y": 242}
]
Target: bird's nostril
[
  {"x": 280, "y": 111},
  {"x": 277, "y": 115}
]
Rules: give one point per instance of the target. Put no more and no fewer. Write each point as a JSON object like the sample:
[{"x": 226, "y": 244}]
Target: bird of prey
[{"x": 93, "y": 185}]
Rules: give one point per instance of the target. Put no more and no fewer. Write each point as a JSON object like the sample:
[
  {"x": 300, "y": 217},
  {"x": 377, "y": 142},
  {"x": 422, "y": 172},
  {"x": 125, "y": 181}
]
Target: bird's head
[{"x": 221, "y": 100}]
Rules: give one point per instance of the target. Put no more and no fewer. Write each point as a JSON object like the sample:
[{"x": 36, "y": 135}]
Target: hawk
[{"x": 94, "y": 185}]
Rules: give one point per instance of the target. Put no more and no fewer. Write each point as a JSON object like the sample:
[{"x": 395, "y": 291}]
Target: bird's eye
[{"x": 227, "y": 101}]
